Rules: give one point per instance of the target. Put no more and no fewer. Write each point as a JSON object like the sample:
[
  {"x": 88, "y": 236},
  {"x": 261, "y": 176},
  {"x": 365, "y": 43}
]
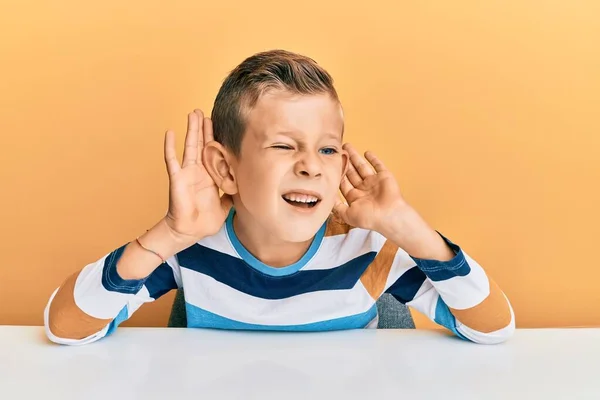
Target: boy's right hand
[{"x": 196, "y": 209}]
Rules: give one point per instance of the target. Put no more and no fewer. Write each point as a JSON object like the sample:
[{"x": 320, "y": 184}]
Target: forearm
[
  {"x": 87, "y": 301},
  {"x": 409, "y": 231},
  {"x": 466, "y": 309},
  {"x": 110, "y": 289},
  {"x": 472, "y": 305}
]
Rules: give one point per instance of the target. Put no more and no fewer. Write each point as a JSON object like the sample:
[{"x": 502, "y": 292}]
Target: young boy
[{"x": 269, "y": 254}]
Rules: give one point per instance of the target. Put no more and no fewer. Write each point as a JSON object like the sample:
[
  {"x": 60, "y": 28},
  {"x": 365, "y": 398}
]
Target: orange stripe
[
  {"x": 336, "y": 226},
  {"x": 491, "y": 314},
  {"x": 376, "y": 274},
  {"x": 66, "y": 320}
]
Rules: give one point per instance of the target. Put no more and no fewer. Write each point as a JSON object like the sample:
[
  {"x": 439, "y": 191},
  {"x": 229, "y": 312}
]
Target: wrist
[
  {"x": 395, "y": 223},
  {"x": 409, "y": 231},
  {"x": 142, "y": 256},
  {"x": 163, "y": 240}
]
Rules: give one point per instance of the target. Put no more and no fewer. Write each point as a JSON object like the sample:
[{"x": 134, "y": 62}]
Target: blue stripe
[
  {"x": 407, "y": 285},
  {"x": 444, "y": 317},
  {"x": 200, "y": 318},
  {"x": 111, "y": 279},
  {"x": 264, "y": 268},
  {"x": 161, "y": 281},
  {"x": 122, "y": 316},
  {"x": 444, "y": 270},
  {"x": 237, "y": 274}
]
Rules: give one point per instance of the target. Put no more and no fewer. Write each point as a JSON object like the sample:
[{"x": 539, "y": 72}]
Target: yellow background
[{"x": 487, "y": 112}]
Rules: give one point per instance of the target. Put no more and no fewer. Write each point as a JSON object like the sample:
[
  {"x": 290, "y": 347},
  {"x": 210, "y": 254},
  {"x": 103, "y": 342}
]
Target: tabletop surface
[{"x": 175, "y": 363}]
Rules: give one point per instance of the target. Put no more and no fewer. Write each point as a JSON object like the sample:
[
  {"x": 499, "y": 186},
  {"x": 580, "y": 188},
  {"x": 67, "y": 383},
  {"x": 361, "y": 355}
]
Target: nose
[{"x": 308, "y": 165}]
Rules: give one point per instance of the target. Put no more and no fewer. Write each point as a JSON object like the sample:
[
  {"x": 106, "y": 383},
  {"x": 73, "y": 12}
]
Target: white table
[{"x": 169, "y": 363}]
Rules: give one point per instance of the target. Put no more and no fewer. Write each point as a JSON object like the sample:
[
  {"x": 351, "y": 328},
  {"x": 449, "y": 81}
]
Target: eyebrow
[{"x": 294, "y": 135}]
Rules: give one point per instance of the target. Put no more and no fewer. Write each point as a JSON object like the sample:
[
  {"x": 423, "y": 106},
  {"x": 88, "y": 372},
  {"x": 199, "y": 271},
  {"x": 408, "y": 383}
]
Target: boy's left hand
[
  {"x": 376, "y": 203},
  {"x": 371, "y": 191}
]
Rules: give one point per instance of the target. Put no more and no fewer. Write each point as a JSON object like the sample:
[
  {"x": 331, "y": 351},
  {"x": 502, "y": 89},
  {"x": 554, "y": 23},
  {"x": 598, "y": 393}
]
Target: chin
[
  {"x": 300, "y": 231},
  {"x": 298, "y": 236}
]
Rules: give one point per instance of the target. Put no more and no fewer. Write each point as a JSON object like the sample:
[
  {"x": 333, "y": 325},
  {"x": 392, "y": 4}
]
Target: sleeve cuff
[
  {"x": 443, "y": 270},
  {"x": 111, "y": 279}
]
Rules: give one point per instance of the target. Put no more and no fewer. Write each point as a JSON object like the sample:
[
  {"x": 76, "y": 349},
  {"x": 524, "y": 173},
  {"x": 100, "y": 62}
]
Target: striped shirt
[{"x": 334, "y": 286}]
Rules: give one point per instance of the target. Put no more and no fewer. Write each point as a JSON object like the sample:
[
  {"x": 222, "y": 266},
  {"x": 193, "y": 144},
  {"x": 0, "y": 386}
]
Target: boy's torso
[{"x": 334, "y": 286}]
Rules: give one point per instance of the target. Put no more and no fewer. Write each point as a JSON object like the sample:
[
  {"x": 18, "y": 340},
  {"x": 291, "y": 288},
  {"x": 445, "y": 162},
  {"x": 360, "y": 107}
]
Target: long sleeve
[
  {"x": 456, "y": 294},
  {"x": 91, "y": 303}
]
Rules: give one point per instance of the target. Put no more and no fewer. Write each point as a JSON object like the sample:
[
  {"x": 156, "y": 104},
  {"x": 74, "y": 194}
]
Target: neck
[{"x": 266, "y": 247}]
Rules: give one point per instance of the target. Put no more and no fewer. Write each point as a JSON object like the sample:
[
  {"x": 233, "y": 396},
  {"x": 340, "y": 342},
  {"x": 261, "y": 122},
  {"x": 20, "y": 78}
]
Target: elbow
[
  {"x": 57, "y": 329},
  {"x": 52, "y": 323},
  {"x": 499, "y": 336},
  {"x": 496, "y": 336},
  {"x": 69, "y": 325}
]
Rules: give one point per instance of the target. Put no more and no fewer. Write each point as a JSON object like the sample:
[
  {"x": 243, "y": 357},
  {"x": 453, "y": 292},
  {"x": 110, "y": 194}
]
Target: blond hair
[{"x": 275, "y": 69}]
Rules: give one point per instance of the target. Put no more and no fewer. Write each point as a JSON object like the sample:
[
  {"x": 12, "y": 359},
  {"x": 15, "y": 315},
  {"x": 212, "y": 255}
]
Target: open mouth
[{"x": 301, "y": 200}]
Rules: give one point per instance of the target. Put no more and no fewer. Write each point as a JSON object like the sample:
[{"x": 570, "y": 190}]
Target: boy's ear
[
  {"x": 345, "y": 162},
  {"x": 217, "y": 161}
]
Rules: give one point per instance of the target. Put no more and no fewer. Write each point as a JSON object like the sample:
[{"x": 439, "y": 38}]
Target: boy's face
[{"x": 291, "y": 163}]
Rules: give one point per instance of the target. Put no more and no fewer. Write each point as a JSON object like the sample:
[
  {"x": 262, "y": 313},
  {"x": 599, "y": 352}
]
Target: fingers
[
  {"x": 208, "y": 130},
  {"x": 194, "y": 143},
  {"x": 375, "y": 162},
  {"x": 226, "y": 203},
  {"x": 171, "y": 154},
  {"x": 340, "y": 209},
  {"x": 201, "y": 119},
  {"x": 192, "y": 138},
  {"x": 346, "y": 186},
  {"x": 349, "y": 192},
  {"x": 353, "y": 176},
  {"x": 361, "y": 165}
]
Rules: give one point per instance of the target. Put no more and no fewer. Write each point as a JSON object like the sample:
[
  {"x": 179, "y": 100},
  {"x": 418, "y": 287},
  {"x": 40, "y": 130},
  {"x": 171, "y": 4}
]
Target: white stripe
[
  {"x": 373, "y": 324},
  {"x": 136, "y": 302},
  {"x": 459, "y": 292},
  {"x": 173, "y": 262},
  {"x": 462, "y": 292},
  {"x": 425, "y": 300},
  {"x": 93, "y": 299},
  {"x": 339, "y": 249},
  {"x": 402, "y": 263},
  {"x": 220, "y": 242},
  {"x": 334, "y": 250},
  {"x": 205, "y": 292}
]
